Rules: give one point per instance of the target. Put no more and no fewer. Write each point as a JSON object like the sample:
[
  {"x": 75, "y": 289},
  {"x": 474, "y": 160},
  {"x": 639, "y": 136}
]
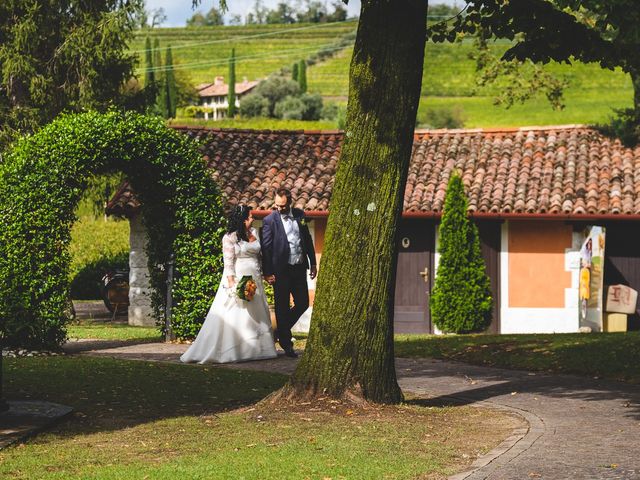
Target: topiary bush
[
  {"x": 461, "y": 299},
  {"x": 42, "y": 178}
]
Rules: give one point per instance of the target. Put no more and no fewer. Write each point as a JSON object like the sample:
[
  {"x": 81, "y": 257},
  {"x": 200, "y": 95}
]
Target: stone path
[{"x": 578, "y": 427}]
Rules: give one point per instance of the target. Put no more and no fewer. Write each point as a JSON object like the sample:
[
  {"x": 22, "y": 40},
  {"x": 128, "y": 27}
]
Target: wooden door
[
  {"x": 490, "y": 240},
  {"x": 414, "y": 276}
]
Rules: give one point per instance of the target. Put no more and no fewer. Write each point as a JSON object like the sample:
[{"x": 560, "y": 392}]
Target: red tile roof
[
  {"x": 221, "y": 89},
  {"x": 564, "y": 170}
]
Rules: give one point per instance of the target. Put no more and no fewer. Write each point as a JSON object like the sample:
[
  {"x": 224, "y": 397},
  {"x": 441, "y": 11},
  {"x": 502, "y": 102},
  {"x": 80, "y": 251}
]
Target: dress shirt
[{"x": 292, "y": 231}]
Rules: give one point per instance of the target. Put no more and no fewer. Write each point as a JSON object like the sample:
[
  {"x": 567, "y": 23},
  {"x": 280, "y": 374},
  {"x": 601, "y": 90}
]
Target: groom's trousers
[{"x": 291, "y": 282}]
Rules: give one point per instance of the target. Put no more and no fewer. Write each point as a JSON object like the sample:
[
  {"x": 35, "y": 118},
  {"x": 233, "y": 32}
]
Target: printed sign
[{"x": 591, "y": 278}]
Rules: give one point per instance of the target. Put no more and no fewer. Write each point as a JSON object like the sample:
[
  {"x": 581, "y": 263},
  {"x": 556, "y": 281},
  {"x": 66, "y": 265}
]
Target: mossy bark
[
  {"x": 350, "y": 345},
  {"x": 635, "y": 80}
]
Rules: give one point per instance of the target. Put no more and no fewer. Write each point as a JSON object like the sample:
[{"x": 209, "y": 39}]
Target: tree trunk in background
[
  {"x": 350, "y": 345},
  {"x": 635, "y": 80}
]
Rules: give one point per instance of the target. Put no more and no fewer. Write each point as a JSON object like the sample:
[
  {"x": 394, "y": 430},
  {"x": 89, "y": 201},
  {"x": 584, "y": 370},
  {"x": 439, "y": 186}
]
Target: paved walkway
[{"x": 579, "y": 428}]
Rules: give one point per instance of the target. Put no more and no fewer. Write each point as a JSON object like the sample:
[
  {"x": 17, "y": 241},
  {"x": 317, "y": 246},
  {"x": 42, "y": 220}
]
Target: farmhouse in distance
[{"x": 214, "y": 96}]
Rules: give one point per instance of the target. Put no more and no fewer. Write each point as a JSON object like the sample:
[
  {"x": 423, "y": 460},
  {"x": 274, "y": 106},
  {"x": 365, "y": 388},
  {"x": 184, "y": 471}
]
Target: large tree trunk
[
  {"x": 635, "y": 80},
  {"x": 350, "y": 345}
]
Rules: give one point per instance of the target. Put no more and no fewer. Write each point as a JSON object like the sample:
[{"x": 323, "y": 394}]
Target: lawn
[
  {"x": 153, "y": 420},
  {"x": 614, "y": 356},
  {"x": 101, "y": 330},
  {"x": 258, "y": 123}
]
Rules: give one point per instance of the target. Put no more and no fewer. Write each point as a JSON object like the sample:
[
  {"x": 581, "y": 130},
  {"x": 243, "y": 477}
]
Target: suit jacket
[{"x": 275, "y": 246}]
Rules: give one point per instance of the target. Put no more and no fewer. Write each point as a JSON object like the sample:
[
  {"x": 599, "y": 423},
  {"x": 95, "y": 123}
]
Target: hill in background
[{"x": 449, "y": 77}]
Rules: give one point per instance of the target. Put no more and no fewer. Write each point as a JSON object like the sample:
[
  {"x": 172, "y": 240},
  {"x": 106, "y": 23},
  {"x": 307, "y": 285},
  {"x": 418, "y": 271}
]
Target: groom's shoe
[{"x": 290, "y": 352}]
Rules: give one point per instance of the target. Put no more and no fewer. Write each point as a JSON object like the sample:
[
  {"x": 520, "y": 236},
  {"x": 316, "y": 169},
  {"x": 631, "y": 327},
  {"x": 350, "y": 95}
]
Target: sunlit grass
[
  {"x": 165, "y": 421},
  {"x": 607, "y": 355}
]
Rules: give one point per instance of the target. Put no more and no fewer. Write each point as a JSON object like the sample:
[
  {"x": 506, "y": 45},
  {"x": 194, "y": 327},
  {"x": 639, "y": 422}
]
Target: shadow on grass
[{"x": 109, "y": 394}]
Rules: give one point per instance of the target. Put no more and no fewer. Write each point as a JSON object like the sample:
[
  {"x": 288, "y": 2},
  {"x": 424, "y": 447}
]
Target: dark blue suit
[{"x": 291, "y": 280}]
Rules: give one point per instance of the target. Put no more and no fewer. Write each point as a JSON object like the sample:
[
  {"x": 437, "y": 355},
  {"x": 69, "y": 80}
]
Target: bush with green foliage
[
  {"x": 42, "y": 178},
  {"x": 279, "y": 97},
  {"x": 196, "y": 111},
  {"x": 289, "y": 108},
  {"x": 625, "y": 126},
  {"x": 444, "y": 117},
  {"x": 274, "y": 89},
  {"x": 461, "y": 299},
  {"x": 254, "y": 105},
  {"x": 312, "y": 104}
]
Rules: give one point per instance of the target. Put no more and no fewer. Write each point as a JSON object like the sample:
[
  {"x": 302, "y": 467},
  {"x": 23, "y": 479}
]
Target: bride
[{"x": 234, "y": 329}]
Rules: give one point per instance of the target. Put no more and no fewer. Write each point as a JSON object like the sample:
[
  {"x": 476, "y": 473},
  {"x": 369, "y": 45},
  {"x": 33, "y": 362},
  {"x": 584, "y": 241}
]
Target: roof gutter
[{"x": 576, "y": 217}]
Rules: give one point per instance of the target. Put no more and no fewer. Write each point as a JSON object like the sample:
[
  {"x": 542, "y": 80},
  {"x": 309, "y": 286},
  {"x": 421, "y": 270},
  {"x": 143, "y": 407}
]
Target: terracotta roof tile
[{"x": 554, "y": 170}]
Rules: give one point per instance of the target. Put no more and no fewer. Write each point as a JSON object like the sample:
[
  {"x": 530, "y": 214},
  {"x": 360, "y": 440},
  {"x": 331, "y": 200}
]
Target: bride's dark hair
[{"x": 235, "y": 222}]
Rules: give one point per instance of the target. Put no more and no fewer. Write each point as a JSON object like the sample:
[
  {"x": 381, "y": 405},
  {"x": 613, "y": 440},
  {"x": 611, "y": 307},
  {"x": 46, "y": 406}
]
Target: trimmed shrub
[
  {"x": 42, "y": 179},
  {"x": 461, "y": 299}
]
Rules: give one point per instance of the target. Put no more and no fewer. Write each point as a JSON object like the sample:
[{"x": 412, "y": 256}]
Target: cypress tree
[
  {"x": 150, "y": 85},
  {"x": 161, "y": 102},
  {"x": 294, "y": 72},
  {"x": 170, "y": 84},
  {"x": 302, "y": 76},
  {"x": 149, "y": 77},
  {"x": 461, "y": 300},
  {"x": 231, "y": 99}
]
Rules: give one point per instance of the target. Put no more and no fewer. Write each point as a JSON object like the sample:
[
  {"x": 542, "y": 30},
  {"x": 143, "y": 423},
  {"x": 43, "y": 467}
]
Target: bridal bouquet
[{"x": 246, "y": 288}]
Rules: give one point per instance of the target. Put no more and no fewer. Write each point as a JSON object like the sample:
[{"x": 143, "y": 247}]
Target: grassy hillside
[
  {"x": 448, "y": 80},
  {"x": 449, "y": 83},
  {"x": 260, "y": 49}
]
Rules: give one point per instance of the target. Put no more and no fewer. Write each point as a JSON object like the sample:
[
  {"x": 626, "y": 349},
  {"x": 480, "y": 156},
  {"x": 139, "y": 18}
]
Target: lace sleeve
[
  {"x": 228, "y": 256},
  {"x": 255, "y": 234}
]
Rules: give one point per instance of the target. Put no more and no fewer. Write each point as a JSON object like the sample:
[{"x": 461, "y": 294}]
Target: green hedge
[{"x": 42, "y": 178}]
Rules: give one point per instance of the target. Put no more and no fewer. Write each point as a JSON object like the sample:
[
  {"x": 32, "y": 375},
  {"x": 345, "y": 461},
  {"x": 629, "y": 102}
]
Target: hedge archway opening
[{"x": 42, "y": 179}]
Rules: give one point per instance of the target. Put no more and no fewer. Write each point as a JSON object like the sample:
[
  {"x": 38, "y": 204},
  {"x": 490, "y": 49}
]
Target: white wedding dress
[{"x": 235, "y": 330}]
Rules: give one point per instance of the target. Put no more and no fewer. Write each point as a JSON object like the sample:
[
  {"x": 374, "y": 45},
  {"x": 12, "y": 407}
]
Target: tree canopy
[
  {"x": 602, "y": 31},
  {"x": 212, "y": 18},
  {"x": 63, "y": 55}
]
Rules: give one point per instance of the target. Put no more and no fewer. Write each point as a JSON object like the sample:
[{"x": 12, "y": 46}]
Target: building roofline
[
  {"x": 490, "y": 216},
  {"x": 418, "y": 131}
]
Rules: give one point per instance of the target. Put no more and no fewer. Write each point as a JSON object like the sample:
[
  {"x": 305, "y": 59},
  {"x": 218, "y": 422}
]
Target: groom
[{"x": 287, "y": 254}]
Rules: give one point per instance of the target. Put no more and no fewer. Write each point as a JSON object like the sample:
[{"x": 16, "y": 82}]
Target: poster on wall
[{"x": 591, "y": 279}]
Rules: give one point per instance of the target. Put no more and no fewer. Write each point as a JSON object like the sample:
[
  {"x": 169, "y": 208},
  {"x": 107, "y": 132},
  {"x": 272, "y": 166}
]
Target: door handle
[{"x": 425, "y": 274}]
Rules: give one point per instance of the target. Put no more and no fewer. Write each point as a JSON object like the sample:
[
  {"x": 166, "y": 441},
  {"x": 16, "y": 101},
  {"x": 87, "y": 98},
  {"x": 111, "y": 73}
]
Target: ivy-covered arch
[{"x": 42, "y": 178}]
